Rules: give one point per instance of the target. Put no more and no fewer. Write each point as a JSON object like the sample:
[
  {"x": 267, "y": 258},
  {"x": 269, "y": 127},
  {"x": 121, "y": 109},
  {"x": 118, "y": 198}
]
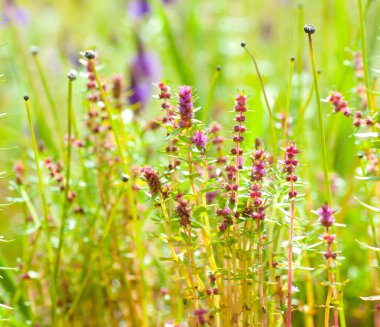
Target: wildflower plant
[
  {"x": 135, "y": 219},
  {"x": 221, "y": 248}
]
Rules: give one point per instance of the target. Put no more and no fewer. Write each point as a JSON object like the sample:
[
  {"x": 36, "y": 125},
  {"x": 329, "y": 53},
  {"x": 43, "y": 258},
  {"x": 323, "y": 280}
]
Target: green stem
[
  {"x": 43, "y": 128},
  {"x": 320, "y": 120},
  {"x": 271, "y": 121},
  {"x": 289, "y": 95},
  {"x": 206, "y": 108},
  {"x": 67, "y": 184},
  {"x": 94, "y": 256},
  {"x": 299, "y": 54},
  {"x": 49, "y": 96},
  {"x": 45, "y": 223},
  {"x": 364, "y": 56},
  {"x": 325, "y": 163},
  {"x": 132, "y": 204}
]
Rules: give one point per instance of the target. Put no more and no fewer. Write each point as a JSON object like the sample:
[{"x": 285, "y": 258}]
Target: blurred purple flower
[
  {"x": 145, "y": 69},
  {"x": 139, "y": 8},
  {"x": 210, "y": 196},
  {"x": 141, "y": 93},
  {"x": 200, "y": 139},
  {"x": 12, "y": 12}
]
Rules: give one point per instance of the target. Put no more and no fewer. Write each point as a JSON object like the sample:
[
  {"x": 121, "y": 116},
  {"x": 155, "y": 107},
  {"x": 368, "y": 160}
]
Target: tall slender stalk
[
  {"x": 45, "y": 222},
  {"x": 206, "y": 108},
  {"x": 364, "y": 56},
  {"x": 299, "y": 64},
  {"x": 310, "y": 29},
  {"x": 290, "y": 264},
  {"x": 289, "y": 95},
  {"x": 71, "y": 77},
  {"x": 90, "y": 55},
  {"x": 261, "y": 273},
  {"x": 94, "y": 255},
  {"x": 271, "y": 121},
  {"x": 320, "y": 115},
  {"x": 45, "y": 84},
  {"x": 43, "y": 128}
]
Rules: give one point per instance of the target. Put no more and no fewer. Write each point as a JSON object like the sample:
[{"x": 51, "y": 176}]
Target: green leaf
[
  {"x": 199, "y": 210},
  {"x": 368, "y": 178},
  {"x": 368, "y": 246},
  {"x": 173, "y": 134},
  {"x": 367, "y": 135},
  {"x": 167, "y": 259},
  {"x": 368, "y": 206},
  {"x": 371, "y": 298},
  {"x": 196, "y": 224},
  {"x": 304, "y": 268}
]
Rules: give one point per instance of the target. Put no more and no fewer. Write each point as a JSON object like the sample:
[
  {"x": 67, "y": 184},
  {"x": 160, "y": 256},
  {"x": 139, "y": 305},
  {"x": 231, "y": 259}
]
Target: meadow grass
[{"x": 190, "y": 163}]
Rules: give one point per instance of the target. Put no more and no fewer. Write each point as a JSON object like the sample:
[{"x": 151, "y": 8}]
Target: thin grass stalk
[
  {"x": 49, "y": 96},
  {"x": 364, "y": 56},
  {"x": 92, "y": 260},
  {"x": 320, "y": 122},
  {"x": 309, "y": 297},
  {"x": 44, "y": 129},
  {"x": 290, "y": 261},
  {"x": 45, "y": 222},
  {"x": 299, "y": 64},
  {"x": 196, "y": 199},
  {"x": 132, "y": 205},
  {"x": 271, "y": 249},
  {"x": 272, "y": 137},
  {"x": 261, "y": 273},
  {"x": 206, "y": 108},
  {"x": 80, "y": 155},
  {"x": 289, "y": 95},
  {"x": 209, "y": 250},
  {"x": 169, "y": 233},
  {"x": 67, "y": 184},
  {"x": 324, "y": 158}
]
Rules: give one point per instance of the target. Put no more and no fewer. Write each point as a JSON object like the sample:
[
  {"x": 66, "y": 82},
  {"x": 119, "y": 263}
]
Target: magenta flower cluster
[
  {"x": 226, "y": 214},
  {"x": 239, "y": 129},
  {"x": 326, "y": 218},
  {"x": 218, "y": 141},
  {"x": 200, "y": 140},
  {"x": 290, "y": 164},
  {"x": 340, "y": 105},
  {"x": 257, "y": 175},
  {"x": 326, "y": 215},
  {"x": 183, "y": 210},
  {"x": 152, "y": 179},
  {"x": 200, "y": 313},
  {"x": 185, "y": 106},
  {"x": 165, "y": 95}
]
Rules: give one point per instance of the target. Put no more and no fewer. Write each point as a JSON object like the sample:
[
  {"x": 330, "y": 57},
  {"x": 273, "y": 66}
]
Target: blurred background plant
[{"x": 182, "y": 42}]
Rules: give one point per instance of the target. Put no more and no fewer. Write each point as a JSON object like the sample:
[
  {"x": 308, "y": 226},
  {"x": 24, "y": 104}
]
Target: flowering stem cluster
[
  {"x": 290, "y": 163},
  {"x": 326, "y": 218}
]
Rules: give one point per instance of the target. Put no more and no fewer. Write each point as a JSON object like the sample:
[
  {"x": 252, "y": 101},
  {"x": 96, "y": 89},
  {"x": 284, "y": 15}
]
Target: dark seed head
[
  {"x": 242, "y": 44},
  {"x": 360, "y": 155},
  {"x": 89, "y": 54},
  {"x": 124, "y": 178},
  {"x": 26, "y": 97},
  {"x": 292, "y": 58},
  {"x": 218, "y": 68},
  {"x": 33, "y": 50},
  {"x": 309, "y": 29},
  {"x": 72, "y": 75}
]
